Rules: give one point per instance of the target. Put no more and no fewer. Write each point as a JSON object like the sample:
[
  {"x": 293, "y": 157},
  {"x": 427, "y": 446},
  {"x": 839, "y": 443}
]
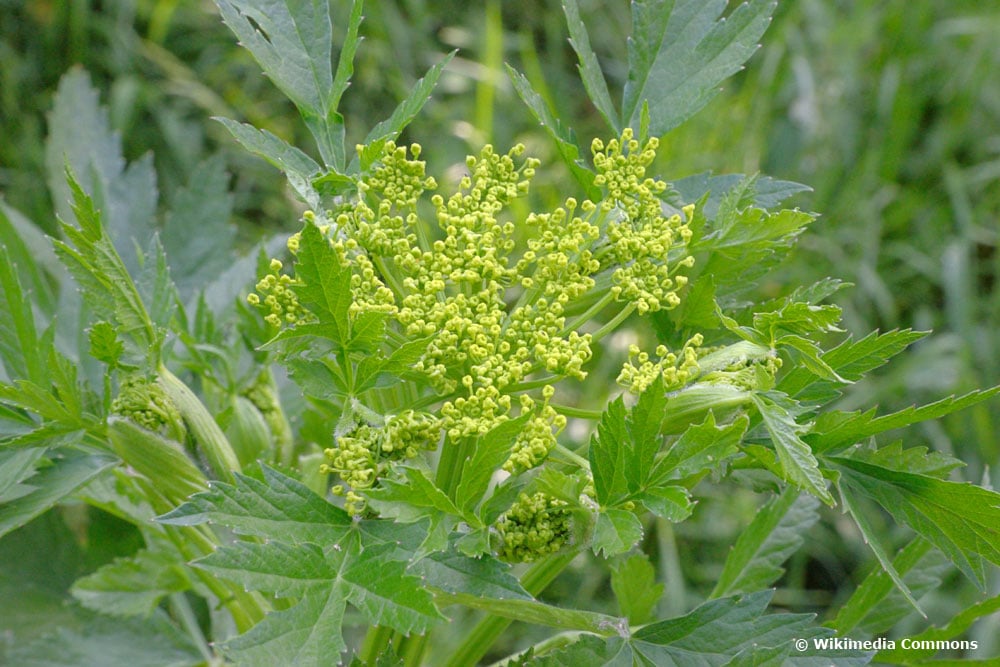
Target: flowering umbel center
[{"x": 509, "y": 304}]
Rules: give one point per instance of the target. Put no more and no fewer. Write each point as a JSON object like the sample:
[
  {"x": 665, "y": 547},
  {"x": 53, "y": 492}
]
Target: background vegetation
[{"x": 888, "y": 109}]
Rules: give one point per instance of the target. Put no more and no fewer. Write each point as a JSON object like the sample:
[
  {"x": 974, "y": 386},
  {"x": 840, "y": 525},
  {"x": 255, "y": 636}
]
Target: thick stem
[{"x": 208, "y": 436}]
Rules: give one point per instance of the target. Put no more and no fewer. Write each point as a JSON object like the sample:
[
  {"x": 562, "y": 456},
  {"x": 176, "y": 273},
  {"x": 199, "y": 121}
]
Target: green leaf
[
  {"x": 811, "y": 357},
  {"x": 877, "y": 605},
  {"x": 307, "y": 634},
  {"x": 607, "y": 454},
  {"x": 105, "y": 642},
  {"x": 616, "y": 531},
  {"x": 590, "y": 68},
  {"x": 566, "y": 142},
  {"x": 377, "y": 370},
  {"x": 483, "y": 576},
  {"x": 851, "y": 360},
  {"x": 491, "y": 451},
  {"x": 132, "y": 586},
  {"x": 298, "y": 167},
  {"x": 15, "y": 466},
  {"x": 798, "y": 464},
  {"x": 81, "y": 141},
  {"x": 197, "y": 235},
  {"x": 62, "y": 478},
  {"x": 107, "y": 285},
  {"x": 408, "y": 109},
  {"x": 277, "y": 507},
  {"x": 20, "y": 353},
  {"x": 915, "y": 459},
  {"x": 293, "y": 41},
  {"x": 24, "y": 240},
  {"x": 836, "y": 430},
  {"x": 672, "y": 503},
  {"x": 700, "y": 448},
  {"x": 961, "y": 520},
  {"x": 413, "y": 498},
  {"x": 776, "y": 532},
  {"x": 318, "y": 378},
  {"x": 730, "y": 631},
  {"x": 283, "y": 569},
  {"x": 539, "y": 613},
  {"x": 633, "y": 581},
  {"x": 380, "y": 588},
  {"x": 676, "y": 65},
  {"x": 873, "y": 541},
  {"x": 104, "y": 343},
  {"x": 768, "y": 193},
  {"x": 954, "y": 629},
  {"x": 326, "y": 288}
]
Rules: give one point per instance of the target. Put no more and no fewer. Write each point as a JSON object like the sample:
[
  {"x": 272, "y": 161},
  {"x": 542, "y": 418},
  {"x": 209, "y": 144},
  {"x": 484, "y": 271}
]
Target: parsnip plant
[{"x": 398, "y": 422}]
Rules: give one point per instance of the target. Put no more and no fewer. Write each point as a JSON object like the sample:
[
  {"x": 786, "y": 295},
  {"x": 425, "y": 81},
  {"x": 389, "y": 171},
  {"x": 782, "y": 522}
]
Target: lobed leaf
[
  {"x": 676, "y": 65},
  {"x": 277, "y": 507},
  {"x": 326, "y": 283},
  {"x": 960, "y": 519},
  {"x": 729, "y": 631},
  {"x": 633, "y": 581},
  {"x": 616, "y": 531},
  {"x": 564, "y": 137},
  {"x": 590, "y": 68},
  {"x": 834, "y": 430},
  {"x": 874, "y": 606},
  {"x": 66, "y": 474},
  {"x": 132, "y": 586},
  {"x": 798, "y": 464},
  {"x": 776, "y": 532},
  {"x": 307, "y": 634}
]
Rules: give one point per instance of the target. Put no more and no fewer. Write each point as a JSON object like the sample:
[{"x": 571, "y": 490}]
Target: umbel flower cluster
[{"x": 510, "y": 304}]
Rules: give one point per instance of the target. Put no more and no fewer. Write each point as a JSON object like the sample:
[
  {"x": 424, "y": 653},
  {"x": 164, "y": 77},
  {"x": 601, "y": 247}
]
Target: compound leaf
[
  {"x": 797, "y": 461},
  {"x": 776, "y": 532},
  {"x": 677, "y": 64},
  {"x": 307, "y": 634},
  {"x": 278, "y": 508},
  {"x": 961, "y": 520},
  {"x": 132, "y": 586}
]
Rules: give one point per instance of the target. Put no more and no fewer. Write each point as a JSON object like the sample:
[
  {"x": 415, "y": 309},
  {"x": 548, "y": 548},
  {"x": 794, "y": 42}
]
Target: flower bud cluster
[
  {"x": 264, "y": 396},
  {"x": 147, "y": 404},
  {"x": 748, "y": 374},
  {"x": 361, "y": 456},
  {"x": 533, "y": 527},
  {"x": 537, "y": 439},
  {"x": 279, "y": 300},
  {"x": 676, "y": 369},
  {"x": 642, "y": 239}
]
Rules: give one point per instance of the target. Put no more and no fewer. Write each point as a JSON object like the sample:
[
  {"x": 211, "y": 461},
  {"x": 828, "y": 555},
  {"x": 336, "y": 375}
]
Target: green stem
[
  {"x": 413, "y": 648},
  {"x": 208, "y": 435},
  {"x": 535, "y": 580},
  {"x": 563, "y": 450},
  {"x": 570, "y": 411},
  {"x": 589, "y": 314},
  {"x": 532, "y": 384},
  {"x": 613, "y": 323},
  {"x": 376, "y": 641},
  {"x": 182, "y": 611}
]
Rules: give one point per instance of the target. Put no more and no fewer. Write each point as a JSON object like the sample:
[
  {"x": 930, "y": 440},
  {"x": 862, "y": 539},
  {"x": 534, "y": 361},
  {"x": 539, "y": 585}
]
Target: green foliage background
[{"x": 890, "y": 110}]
